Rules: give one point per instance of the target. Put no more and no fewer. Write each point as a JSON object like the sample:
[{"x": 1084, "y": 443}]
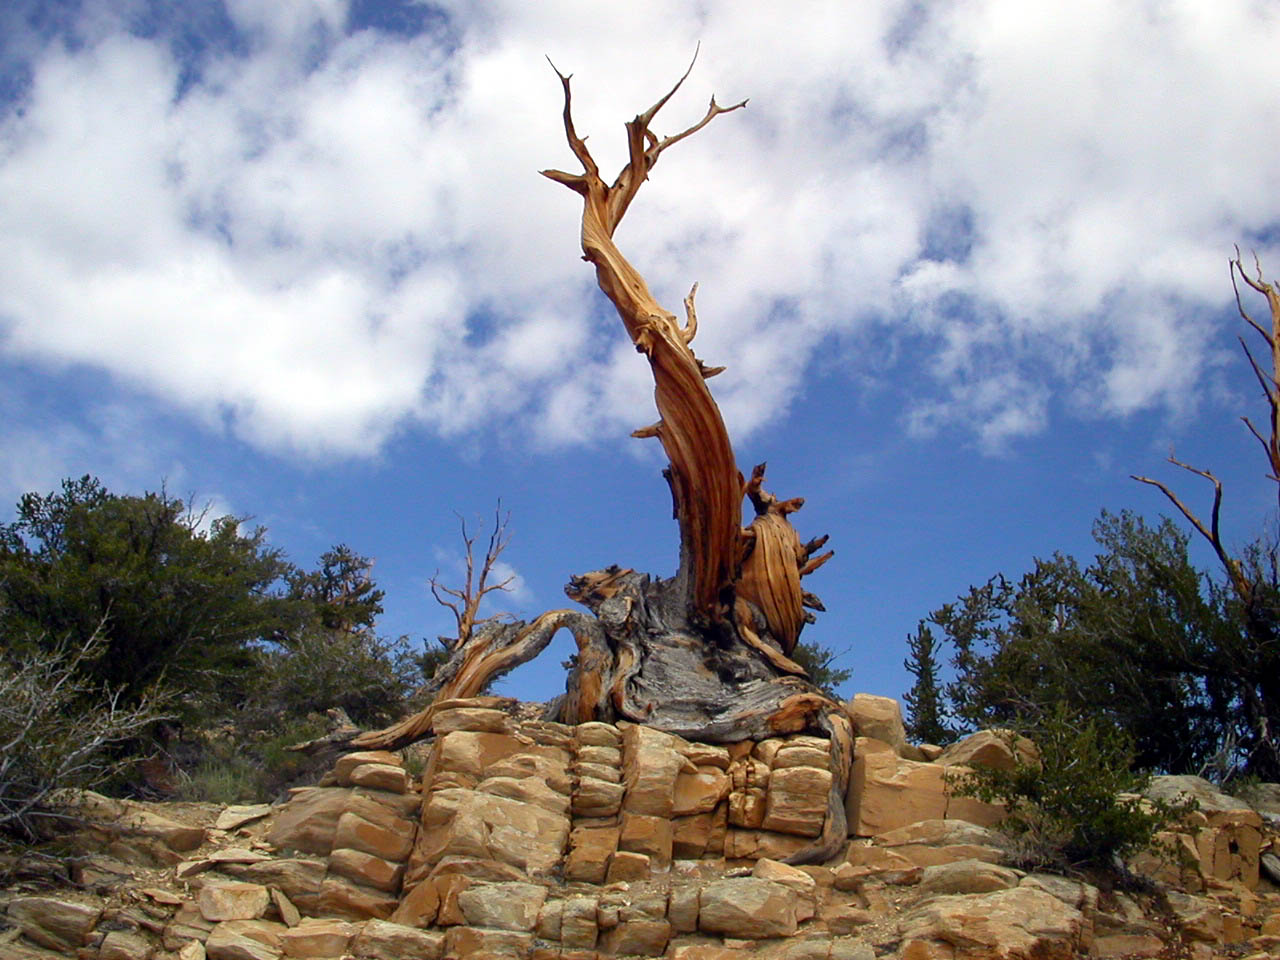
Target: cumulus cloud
[{"x": 319, "y": 234}]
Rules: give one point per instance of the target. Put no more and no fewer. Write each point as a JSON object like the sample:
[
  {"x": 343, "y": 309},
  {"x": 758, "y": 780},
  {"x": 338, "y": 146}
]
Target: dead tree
[
  {"x": 706, "y": 653},
  {"x": 466, "y": 601},
  {"x": 1249, "y": 582}
]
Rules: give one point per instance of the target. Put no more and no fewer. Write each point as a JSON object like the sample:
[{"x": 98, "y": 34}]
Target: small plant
[
  {"x": 59, "y": 730},
  {"x": 1081, "y": 805}
]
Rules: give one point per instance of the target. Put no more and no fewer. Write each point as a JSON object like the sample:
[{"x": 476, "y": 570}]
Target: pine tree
[{"x": 925, "y": 696}]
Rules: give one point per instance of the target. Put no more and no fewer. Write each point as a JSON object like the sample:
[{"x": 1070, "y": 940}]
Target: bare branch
[
  {"x": 1257, "y": 436},
  {"x": 1267, "y": 383},
  {"x": 476, "y": 587},
  {"x": 691, "y": 326},
  {"x": 713, "y": 110},
  {"x": 1211, "y": 533},
  {"x": 816, "y": 562},
  {"x": 577, "y": 144},
  {"x": 1244, "y": 314}
]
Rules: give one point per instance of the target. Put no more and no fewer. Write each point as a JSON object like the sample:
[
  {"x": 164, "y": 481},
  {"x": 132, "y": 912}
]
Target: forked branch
[
  {"x": 703, "y": 473},
  {"x": 466, "y": 612},
  {"x": 1239, "y": 582},
  {"x": 1269, "y": 382}
]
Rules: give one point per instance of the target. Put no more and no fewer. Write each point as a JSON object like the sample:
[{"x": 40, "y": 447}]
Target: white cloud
[{"x": 331, "y": 236}]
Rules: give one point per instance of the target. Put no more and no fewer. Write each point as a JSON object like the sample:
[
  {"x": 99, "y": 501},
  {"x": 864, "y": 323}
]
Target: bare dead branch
[
  {"x": 816, "y": 562},
  {"x": 1244, "y": 314},
  {"x": 691, "y": 326},
  {"x": 577, "y": 144},
  {"x": 466, "y": 612},
  {"x": 1211, "y": 533}
]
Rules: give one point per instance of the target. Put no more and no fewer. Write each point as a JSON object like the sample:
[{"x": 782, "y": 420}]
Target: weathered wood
[
  {"x": 493, "y": 649},
  {"x": 704, "y": 654},
  {"x": 704, "y": 476}
]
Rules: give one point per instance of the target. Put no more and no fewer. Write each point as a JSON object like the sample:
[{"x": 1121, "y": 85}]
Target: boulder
[
  {"x": 523, "y": 766},
  {"x": 471, "y": 753},
  {"x": 233, "y": 900},
  {"x": 803, "y": 887},
  {"x": 887, "y": 792},
  {"x": 477, "y": 719},
  {"x": 993, "y": 749},
  {"x": 347, "y": 763},
  {"x": 797, "y": 801},
  {"x": 418, "y": 907},
  {"x": 747, "y": 908},
  {"x": 690, "y": 836},
  {"x": 124, "y": 945},
  {"x": 967, "y": 876},
  {"x": 316, "y": 939},
  {"x": 389, "y": 840},
  {"x": 648, "y": 835},
  {"x": 307, "y": 822},
  {"x": 56, "y": 924},
  {"x": 527, "y": 790},
  {"x": 628, "y": 865},
  {"x": 391, "y": 941},
  {"x": 299, "y": 879},
  {"x": 578, "y": 927},
  {"x": 933, "y": 842},
  {"x": 699, "y": 792},
  {"x": 1228, "y": 843},
  {"x": 650, "y": 766},
  {"x": 245, "y": 940},
  {"x": 1262, "y": 797},
  {"x": 596, "y": 797},
  {"x": 130, "y": 818},
  {"x": 644, "y": 938},
  {"x": 1018, "y": 924},
  {"x": 590, "y": 849},
  {"x": 487, "y": 944},
  {"x": 339, "y": 897},
  {"x": 682, "y": 908},
  {"x": 367, "y": 869},
  {"x": 391, "y": 778},
  {"x": 502, "y": 906},
  {"x": 877, "y": 717},
  {"x": 466, "y": 823},
  {"x": 596, "y": 734},
  {"x": 238, "y": 815}
]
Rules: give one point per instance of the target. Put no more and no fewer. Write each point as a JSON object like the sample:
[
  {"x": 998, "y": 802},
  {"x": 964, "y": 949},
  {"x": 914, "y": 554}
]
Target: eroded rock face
[
  {"x": 1226, "y": 839},
  {"x": 466, "y": 823},
  {"x": 514, "y": 871}
]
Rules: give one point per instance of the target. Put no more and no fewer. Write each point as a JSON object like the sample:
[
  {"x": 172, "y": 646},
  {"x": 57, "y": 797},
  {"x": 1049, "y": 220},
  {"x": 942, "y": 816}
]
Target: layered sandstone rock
[{"x": 887, "y": 792}]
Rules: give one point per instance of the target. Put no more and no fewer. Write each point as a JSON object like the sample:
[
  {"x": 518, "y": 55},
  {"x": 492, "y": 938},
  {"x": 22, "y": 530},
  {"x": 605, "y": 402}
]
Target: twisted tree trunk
[{"x": 705, "y": 654}]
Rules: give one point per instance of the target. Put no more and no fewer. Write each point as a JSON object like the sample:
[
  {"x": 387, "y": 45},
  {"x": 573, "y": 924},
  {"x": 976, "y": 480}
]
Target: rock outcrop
[{"x": 535, "y": 840}]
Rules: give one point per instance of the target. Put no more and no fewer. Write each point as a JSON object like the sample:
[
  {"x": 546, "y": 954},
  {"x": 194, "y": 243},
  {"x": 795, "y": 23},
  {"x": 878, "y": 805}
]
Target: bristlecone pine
[{"x": 705, "y": 654}]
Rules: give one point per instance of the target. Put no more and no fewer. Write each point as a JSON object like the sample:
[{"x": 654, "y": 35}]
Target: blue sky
[{"x": 966, "y": 264}]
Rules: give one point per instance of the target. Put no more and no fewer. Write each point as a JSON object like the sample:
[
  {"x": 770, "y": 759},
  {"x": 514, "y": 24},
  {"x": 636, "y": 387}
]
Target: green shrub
[
  {"x": 237, "y": 764},
  {"x": 357, "y": 670},
  {"x": 1081, "y": 805}
]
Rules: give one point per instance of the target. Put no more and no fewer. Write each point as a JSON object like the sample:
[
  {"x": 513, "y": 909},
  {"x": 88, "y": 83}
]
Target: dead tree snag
[
  {"x": 705, "y": 654},
  {"x": 1255, "y": 665}
]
